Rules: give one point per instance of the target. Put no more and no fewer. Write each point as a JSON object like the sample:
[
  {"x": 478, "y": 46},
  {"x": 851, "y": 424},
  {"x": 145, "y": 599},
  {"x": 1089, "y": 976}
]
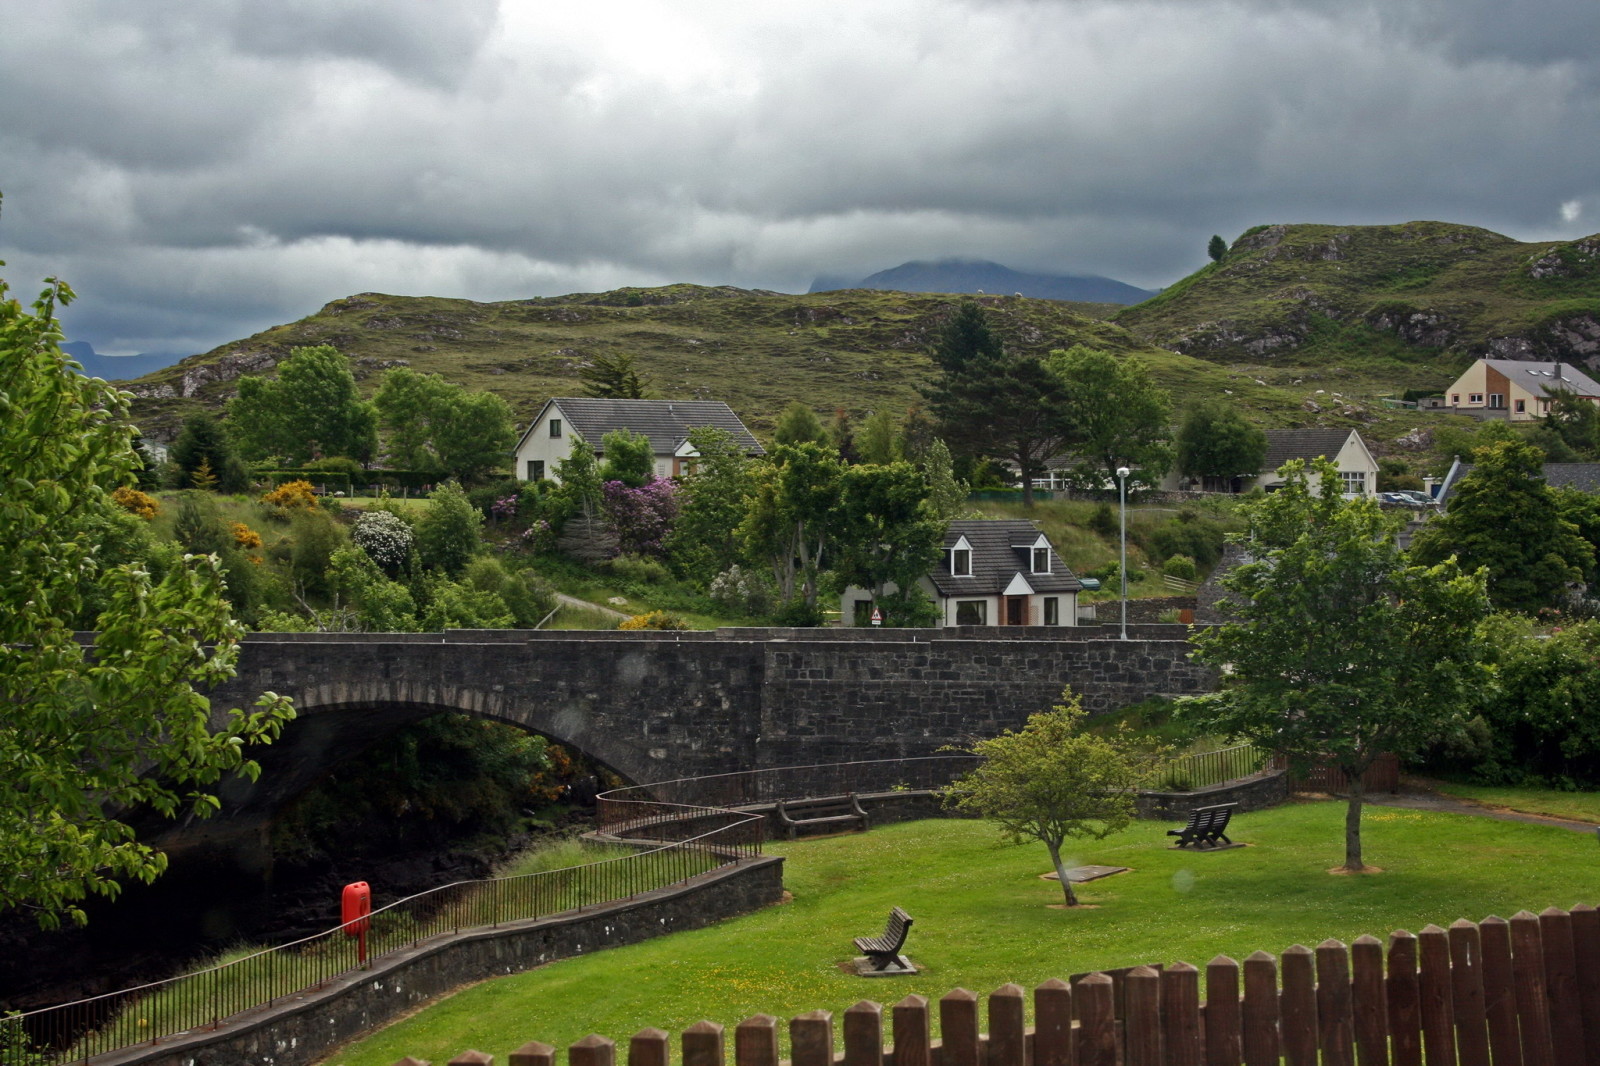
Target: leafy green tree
[
  {"x": 842, "y": 436},
  {"x": 1051, "y": 782},
  {"x": 1120, "y": 417},
  {"x": 996, "y": 404},
  {"x": 888, "y": 535},
  {"x": 436, "y": 426},
  {"x": 612, "y": 377},
  {"x": 629, "y": 458},
  {"x": 878, "y": 442},
  {"x": 198, "y": 527},
  {"x": 200, "y": 442},
  {"x": 799, "y": 424},
  {"x": 1217, "y": 248},
  {"x": 704, "y": 540},
  {"x": 1505, "y": 519},
  {"x": 947, "y": 495},
  {"x": 1576, "y": 420},
  {"x": 449, "y": 532},
  {"x": 917, "y": 434},
  {"x": 381, "y": 605},
  {"x": 93, "y": 732},
  {"x": 314, "y": 536},
  {"x": 1336, "y": 648},
  {"x": 1216, "y": 441},
  {"x": 793, "y": 516},
  {"x": 311, "y": 409}
]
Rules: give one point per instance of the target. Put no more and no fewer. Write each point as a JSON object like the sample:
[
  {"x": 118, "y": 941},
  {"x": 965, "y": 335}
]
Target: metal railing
[
  {"x": 1206, "y": 768},
  {"x": 706, "y": 840}
]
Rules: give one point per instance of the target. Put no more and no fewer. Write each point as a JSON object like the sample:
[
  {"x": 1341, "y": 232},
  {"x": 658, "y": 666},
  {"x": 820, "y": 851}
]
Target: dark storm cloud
[{"x": 203, "y": 173}]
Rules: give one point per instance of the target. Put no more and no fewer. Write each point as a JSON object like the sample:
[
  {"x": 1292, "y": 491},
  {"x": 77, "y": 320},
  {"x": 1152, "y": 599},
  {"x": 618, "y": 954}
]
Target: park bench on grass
[
  {"x": 821, "y": 810},
  {"x": 1206, "y": 828},
  {"x": 885, "y": 950}
]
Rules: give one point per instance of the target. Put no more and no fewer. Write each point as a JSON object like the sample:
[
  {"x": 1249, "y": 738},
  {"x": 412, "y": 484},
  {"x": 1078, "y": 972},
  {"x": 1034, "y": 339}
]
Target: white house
[
  {"x": 1358, "y": 470},
  {"x": 1515, "y": 389},
  {"x": 548, "y": 439},
  {"x": 995, "y": 572}
]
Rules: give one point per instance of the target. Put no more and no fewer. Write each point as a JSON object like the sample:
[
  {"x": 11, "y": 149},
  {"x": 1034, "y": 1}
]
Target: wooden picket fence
[{"x": 1494, "y": 993}]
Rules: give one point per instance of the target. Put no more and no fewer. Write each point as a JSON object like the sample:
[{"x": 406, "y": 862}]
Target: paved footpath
[{"x": 1422, "y": 799}]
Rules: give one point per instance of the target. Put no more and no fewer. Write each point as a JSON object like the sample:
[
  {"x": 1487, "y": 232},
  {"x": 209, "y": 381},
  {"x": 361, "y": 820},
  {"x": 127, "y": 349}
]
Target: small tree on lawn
[
  {"x": 1051, "y": 781},
  {"x": 1338, "y": 650}
]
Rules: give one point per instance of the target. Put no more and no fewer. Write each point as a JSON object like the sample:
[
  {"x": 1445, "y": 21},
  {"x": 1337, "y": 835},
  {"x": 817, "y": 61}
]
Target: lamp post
[{"x": 1122, "y": 567}]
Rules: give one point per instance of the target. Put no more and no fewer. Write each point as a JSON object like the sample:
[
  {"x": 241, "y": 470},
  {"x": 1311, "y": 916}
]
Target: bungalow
[
  {"x": 995, "y": 572},
  {"x": 548, "y": 438},
  {"x": 1515, "y": 389},
  {"x": 1358, "y": 470}
]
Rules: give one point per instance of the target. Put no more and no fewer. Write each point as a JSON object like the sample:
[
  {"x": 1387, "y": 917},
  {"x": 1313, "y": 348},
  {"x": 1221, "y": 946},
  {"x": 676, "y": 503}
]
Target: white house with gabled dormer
[
  {"x": 548, "y": 438},
  {"x": 994, "y": 572}
]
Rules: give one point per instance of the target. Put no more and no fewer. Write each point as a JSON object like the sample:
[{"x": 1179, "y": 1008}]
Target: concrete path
[
  {"x": 609, "y": 612},
  {"x": 1416, "y": 796}
]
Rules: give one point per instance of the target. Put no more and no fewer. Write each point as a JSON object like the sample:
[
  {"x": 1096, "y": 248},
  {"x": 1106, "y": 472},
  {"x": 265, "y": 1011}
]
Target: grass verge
[{"x": 983, "y": 917}]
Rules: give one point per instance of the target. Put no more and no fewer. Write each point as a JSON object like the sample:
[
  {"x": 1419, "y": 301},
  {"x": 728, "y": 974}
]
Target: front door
[{"x": 1016, "y": 610}]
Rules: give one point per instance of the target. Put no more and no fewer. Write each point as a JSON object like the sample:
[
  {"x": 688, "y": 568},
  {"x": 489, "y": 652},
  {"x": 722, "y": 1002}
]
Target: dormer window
[
  {"x": 961, "y": 562},
  {"x": 1041, "y": 560}
]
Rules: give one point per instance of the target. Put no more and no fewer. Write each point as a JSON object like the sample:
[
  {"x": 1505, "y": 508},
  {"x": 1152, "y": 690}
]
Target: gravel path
[{"x": 1418, "y": 798}]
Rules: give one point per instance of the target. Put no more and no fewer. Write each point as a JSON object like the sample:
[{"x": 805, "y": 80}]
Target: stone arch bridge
[{"x": 656, "y": 705}]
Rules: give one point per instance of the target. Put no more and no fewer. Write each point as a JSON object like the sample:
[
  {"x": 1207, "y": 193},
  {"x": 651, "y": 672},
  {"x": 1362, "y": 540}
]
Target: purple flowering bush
[{"x": 642, "y": 517}]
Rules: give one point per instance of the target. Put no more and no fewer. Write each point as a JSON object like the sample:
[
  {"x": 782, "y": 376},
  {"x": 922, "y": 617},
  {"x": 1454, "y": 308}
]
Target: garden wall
[
  {"x": 310, "y": 1026},
  {"x": 1257, "y": 792}
]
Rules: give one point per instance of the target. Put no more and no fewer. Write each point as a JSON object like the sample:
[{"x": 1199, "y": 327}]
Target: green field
[{"x": 984, "y": 917}]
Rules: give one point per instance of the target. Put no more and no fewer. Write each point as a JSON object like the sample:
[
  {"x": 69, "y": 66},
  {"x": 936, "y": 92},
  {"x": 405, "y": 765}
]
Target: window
[
  {"x": 555, "y": 428},
  {"x": 1052, "y": 611},
  {"x": 961, "y": 562},
  {"x": 972, "y": 612},
  {"x": 1041, "y": 560},
  {"x": 1455, "y": 399},
  {"x": 1355, "y": 482},
  {"x": 535, "y": 470},
  {"x": 1474, "y": 397},
  {"x": 1521, "y": 406},
  {"x": 1497, "y": 400}
]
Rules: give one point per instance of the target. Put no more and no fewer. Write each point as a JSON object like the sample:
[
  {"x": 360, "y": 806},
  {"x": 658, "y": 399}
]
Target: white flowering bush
[
  {"x": 385, "y": 537},
  {"x": 743, "y": 591}
]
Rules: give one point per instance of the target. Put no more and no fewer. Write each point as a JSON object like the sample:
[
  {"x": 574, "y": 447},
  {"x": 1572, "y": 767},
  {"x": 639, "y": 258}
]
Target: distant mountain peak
[{"x": 962, "y": 275}]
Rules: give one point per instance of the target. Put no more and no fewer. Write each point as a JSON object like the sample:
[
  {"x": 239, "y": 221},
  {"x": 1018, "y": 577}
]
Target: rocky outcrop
[
  {"x": 1578, "y": 259},
  {"x": 1425, "y": 328},
  {"x": 230, "y": 367}
]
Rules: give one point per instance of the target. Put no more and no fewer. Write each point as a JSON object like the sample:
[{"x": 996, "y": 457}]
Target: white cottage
[
  {"x": 1358, "y": 470},
  {"x": 548, "y": 439}
]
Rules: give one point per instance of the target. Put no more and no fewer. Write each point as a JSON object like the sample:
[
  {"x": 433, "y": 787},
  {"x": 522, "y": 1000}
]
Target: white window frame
[
  {"x": 1052, "y": 610},
  {"x": 1037, "y": 553},
  {"x": 1353, "y": 482},
  {"x": 960, "y": 562},
  {"x": 555, "y": 428}
]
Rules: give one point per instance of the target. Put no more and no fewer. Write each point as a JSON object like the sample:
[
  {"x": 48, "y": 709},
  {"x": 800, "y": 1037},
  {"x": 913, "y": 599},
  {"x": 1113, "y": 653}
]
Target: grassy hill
[
  {"x": 1414, "y": 302},
  {"x": 758, "y": 351}
]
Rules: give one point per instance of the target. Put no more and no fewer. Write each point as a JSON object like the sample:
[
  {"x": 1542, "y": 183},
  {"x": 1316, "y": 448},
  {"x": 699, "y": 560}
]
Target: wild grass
[{"x": 984, "y": 917}]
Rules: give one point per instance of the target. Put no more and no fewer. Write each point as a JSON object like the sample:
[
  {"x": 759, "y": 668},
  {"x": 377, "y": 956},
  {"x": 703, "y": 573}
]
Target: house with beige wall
[
  {"x": 1358, "y": 470},
  {"x": 1516, "y": 389}
]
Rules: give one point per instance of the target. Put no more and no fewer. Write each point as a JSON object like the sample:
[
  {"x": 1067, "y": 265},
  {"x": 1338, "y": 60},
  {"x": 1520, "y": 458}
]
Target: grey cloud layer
[{"x": 203, "y": 171}]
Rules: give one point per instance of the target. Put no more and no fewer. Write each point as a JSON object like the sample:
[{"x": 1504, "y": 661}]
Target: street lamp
[{"x": 1122, "y": 569}]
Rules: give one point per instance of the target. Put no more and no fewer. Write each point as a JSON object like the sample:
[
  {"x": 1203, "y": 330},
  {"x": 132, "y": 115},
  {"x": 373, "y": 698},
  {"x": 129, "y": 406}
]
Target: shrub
[
  {"x": 136, "y": 502},
  {"x": 244, "y": 536},
  {"x": 385, "y": 537},
  {"x": 1180, "y": 566},
  {"x": 745, "y": 592},
  {"x": 1104, "y": 521},
  {"x": 654, "y": 620},
  {"x": 292, "y": 495},
  {"x": 638, "y": 569}
]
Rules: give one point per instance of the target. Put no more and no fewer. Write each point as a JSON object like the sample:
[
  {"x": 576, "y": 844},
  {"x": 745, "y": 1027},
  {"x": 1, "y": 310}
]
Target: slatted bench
[
  {"x": 839, "y": 811},
  {"x": 884, "y": 950},
  {"x": 1206, "y": 828}
]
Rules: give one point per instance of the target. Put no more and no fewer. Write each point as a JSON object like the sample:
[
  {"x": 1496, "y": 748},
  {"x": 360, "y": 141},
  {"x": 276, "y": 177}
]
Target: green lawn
[
  {"x": 1578, "y": 806},
  {"x": 984, "y": 918}
]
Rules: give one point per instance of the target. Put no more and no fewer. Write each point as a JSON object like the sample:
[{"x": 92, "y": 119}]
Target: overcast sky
[{"x": 202, "y": 169}]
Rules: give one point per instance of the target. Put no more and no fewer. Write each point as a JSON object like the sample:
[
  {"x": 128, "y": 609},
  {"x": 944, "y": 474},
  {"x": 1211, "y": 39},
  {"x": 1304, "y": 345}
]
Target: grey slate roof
[
  {"x": 1286, "y": 444},
  {"x": 1541, "y": 378},
  {"x": 1000, "y": 551},
  {"x": 666, "y": 422},
  {"x": 1585, "y": 477}
]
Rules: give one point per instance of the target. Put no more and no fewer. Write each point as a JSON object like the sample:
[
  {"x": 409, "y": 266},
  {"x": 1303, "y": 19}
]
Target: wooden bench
[
  {"x": 885, "y": 949},
  {"x": 1207, "y": 826},
  {"x": 821, "y": 810}
]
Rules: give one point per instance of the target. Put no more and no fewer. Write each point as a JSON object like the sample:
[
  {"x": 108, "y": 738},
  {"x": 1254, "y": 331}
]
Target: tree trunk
[
  {"x": 1352, "y": 822},
  {"x": 1061, "y": 872}
]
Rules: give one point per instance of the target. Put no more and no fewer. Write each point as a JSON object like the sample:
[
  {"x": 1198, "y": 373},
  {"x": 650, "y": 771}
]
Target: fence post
[
  {"x": 1438, "y": 1020},
  {"x": 1297, "y": 1028},
  {"x": 702, "y": 1044},
  {"x": 810, "y": 1039},
  {"x": 483, "y": 1058},
  {"x": 1466, "y": 993},
  {"x": 1335, "y": 1022},
  {"x": 1586, "y": 961},
  {"x": 1367, "y": 994},
  {"x": 1180, "y": 1014},
  {"x": 649, "y": 1047},
  {"x": 909, "y": 1018},
  {"x": 1499, "y": 990},
  {"x": 958, "y": 1028},
  {"x": 863, "y": 1035},
  {"x": 532, "y": 1053},
  {"x": 1097, "y": 1033},
  {"x": 755, "y": 1041},
  {"x": 1533, "y": 1005},
  {"x": 1260, "y": 1013},
  {"x": 1561, "y": 980},
  {"x": 1141, "y": 1020},
  {"x": 1405, "y": 1022},
  {"x": 592, "y": 1050},
  {"x": 1052, "y": 1025},
  {"x": 1007, "y": 1027},
  {"x": 1221, "y": 1013}
]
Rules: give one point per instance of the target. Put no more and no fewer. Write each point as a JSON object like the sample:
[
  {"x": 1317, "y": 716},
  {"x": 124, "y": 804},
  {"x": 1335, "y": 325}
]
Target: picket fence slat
[
  {"x": 1260, "y": 1014},
  {"x": 1222, "y": 1016},
  {"x": 1561, "y": 980},
  {"x": 1007, "y": 1024},
  {"x": 1438, "y": 1019},
  {"x": 1335, "y": 1023},
  {"x": 1404, "y": 1000},
  {"x": 1586, "y": 958},
  {"x": 863, "y": 1034},
  {"x": 1052, "y": 1024},
  {"x": 1297, "y": 1005},
  {"x": 1533, "y": 1006},
  {"x": 1142, "y": 1018},
  {"x": 1097, "y": 1032},
  {"x": 1499, "y": 992},
  {"x": 1466, "y": 994},
  {"x": 1180, "y": 1015},
  {"x": 1370, "y": 1009},
  {"x": 909, "y": 1018}
]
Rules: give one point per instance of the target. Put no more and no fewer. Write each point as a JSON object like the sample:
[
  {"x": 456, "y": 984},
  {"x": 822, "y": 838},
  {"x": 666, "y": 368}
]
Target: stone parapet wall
[{"x": 1257, "y": 792}]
